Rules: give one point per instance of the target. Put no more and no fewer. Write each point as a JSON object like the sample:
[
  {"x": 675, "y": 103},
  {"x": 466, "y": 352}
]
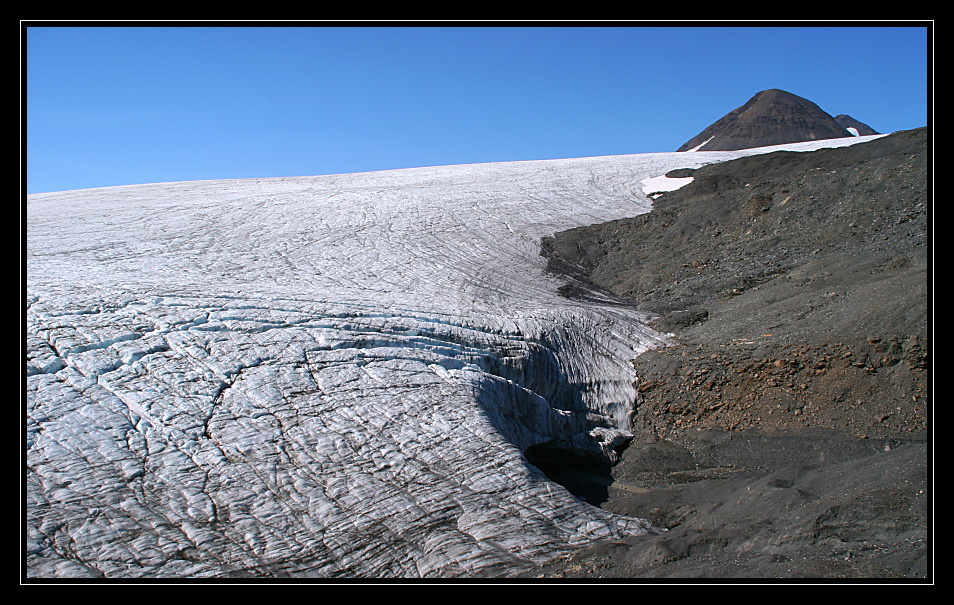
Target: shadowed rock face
[{"x": 771, "y": 117}]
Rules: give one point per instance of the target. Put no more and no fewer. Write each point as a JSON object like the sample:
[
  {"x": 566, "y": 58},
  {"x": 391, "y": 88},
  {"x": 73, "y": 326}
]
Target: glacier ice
[{"x": 330, "y": 376}]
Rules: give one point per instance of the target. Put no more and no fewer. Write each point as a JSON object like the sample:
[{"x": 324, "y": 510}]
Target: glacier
[{"x": 324, "y": 377}]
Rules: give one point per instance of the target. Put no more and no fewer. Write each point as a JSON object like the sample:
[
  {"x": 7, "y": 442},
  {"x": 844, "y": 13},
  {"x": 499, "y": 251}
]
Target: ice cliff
[{"x": 331, "y": 376}]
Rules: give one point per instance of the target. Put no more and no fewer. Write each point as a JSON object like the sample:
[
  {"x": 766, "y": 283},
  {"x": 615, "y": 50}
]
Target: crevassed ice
[{"x": 321, "y": 376}]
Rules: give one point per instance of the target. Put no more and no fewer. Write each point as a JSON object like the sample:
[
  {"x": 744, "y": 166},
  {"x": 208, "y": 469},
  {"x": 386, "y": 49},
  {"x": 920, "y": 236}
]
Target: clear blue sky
[{"x": 135, "y": 104}]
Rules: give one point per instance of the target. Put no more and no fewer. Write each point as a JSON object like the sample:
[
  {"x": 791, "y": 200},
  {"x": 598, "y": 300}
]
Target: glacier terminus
[{"x": 324, "y": 377}]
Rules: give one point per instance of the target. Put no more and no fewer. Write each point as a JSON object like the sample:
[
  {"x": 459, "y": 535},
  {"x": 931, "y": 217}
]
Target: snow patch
[
  {"x": 657, "y": 185},
  {"x": 701, "y": 145}
]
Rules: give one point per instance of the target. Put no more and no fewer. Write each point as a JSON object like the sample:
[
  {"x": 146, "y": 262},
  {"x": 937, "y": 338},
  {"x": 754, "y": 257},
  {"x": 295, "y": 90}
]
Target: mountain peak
[
  {"x": 770, "y": 117},
  {"x": 855, "y": 127}
]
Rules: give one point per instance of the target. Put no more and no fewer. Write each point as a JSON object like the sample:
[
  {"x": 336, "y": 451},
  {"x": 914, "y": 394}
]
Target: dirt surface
[{"x": 786, "y": 433}]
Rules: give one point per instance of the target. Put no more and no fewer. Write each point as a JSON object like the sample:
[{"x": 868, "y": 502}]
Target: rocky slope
[{"x": 784, "y": 435}]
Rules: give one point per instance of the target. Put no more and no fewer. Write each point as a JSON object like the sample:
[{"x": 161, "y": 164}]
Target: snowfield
[{"x": 331, "y": 376}]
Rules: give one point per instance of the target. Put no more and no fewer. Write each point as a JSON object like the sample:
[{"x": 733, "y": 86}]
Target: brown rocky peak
[{"x": 771, "y": 117}]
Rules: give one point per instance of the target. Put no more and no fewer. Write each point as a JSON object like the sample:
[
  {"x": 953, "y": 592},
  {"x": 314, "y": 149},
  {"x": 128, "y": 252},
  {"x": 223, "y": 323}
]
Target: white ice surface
[{"x": 322, "y": 376}]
